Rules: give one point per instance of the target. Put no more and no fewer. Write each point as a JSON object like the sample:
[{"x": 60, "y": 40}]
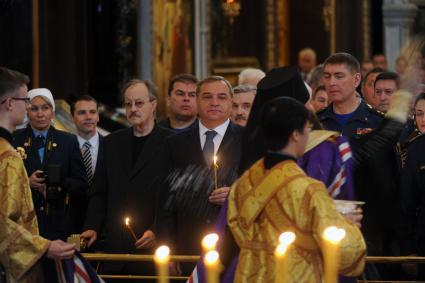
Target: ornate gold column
[
  {"x": 366, "y": 29},
  {"x": 329, "y": 16},
  {"x": 35, "y": 44},
  {"x": 270, "y": 34},
  {"x": 283, "y": 35}
]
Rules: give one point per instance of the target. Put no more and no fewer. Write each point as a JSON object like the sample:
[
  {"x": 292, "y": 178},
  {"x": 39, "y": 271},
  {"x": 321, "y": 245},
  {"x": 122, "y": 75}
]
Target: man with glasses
[
  {"x": 125, "y": 182},
  {"x": 22, "y": 246}
]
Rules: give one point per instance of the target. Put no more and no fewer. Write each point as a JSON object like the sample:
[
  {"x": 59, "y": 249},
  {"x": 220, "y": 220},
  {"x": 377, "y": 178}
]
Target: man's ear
[
  {"x": 357, "y": 79},
  {"x": 167, "y": 101},
  {"x": 295, "y": 136},
  {"x": 154, "y": 104}
]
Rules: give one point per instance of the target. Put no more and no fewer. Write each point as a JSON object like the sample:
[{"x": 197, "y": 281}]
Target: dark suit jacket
[
  {"x": 64, "y": 213},
  {"x": 120, "y": 191},
  {"x": 186, "y": 214}
]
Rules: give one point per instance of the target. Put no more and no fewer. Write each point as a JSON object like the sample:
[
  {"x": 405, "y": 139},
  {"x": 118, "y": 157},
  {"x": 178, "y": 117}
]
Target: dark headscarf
[{"x": 281, "y": 81}]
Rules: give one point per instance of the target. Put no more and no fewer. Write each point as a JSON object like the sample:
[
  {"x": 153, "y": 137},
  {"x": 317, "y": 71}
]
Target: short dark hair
[
  {"x": 420, "y": 96},
  {"x": 388, "y": 76},
  {"x": 184, "y": 78},
  {"x": 82, "y": 98},
  {"x": 375, "y": 70},
  {"x": 152, "y": 91},
  {"x": 343, "y": 58},
  {"x": 279, "y": 118},
  {"x": 11, "y": 81},
  {"x": 211, "y": 79}
]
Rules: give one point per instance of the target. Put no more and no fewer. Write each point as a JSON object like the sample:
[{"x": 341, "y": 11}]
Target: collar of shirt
[
  {"x": 94, "y": 141},
  {"x": 221, "y": 130},
  {"x": 37, "y": 133}
]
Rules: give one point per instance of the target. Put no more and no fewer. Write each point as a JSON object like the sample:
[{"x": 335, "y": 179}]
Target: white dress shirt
[
  {"x": 221, "y": 130},
  {"x": 94, "y": 148}
]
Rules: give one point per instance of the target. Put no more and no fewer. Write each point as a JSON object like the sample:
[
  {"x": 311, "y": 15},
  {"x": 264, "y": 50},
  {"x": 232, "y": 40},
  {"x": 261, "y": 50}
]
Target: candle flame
[
  {"x": 334, "y": 234},
  {"x": 127, "y": 221},
  {"x": 162, "y": 253},
  {"x": 209, "y": 242},
  {"x": 215, "y": 159},
  {"x": 287, "y": 238},
  {"x": 211, "y": 257}
]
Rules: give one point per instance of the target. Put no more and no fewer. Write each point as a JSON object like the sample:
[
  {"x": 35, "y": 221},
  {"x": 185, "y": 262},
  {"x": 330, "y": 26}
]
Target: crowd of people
[{"x": 338, "y": 130}]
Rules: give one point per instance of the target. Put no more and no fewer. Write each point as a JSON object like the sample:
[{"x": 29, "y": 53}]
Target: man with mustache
[
  {"x": 125, "y": 181},
  {"x": 243, "y": 97}
]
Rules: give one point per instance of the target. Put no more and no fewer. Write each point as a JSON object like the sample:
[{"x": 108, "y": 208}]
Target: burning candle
[
  {"x": 127, "y": 224},
  {"x": 281, "y": 271},
  {"x": 331, "y": 254},
  {"x": 215, "y": 172},
  {"x": 161, "y": 258},
  {"x": 212, "y": 265},
  {"x": 209, "y": 242}
]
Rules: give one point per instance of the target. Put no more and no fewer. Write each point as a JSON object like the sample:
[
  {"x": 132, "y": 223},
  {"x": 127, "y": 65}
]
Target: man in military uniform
[
  {"x": 348, "y": 113},
  {"x": 372, "y": 138}
]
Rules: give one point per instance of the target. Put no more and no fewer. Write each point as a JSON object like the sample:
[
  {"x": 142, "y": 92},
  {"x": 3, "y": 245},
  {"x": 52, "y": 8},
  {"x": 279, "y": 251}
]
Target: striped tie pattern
[{"x": 85, "y": 151}]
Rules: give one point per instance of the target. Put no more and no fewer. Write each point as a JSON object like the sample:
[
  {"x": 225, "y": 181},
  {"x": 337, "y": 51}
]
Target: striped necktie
[{"x": 85, "y": 151}]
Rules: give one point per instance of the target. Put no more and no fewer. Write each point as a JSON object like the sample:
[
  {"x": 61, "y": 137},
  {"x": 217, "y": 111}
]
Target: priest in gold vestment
[
  {"x": 21, "y": 247},
  {"x": 275, "y": 195}
]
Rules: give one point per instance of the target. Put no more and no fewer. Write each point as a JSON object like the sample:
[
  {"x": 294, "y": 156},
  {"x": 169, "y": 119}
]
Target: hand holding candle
[
  {"x": 331, "y": 255},
  {"x": 161, "y": 258},
  {"x": 127, "y": 224},
  {"x": 281, "y": 271}
]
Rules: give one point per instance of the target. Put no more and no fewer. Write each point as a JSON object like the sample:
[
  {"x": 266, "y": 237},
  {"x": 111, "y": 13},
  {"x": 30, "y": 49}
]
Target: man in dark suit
[
  {"x": 126, "y": 180},
  {"x": 191, "y": 197},
  {"x": 84, "y": 111},
  {"x": 56, "y": 173}
]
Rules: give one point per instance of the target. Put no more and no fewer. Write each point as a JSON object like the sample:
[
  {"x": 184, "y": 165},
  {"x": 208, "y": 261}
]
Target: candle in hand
[
  {"x": 127, "y": 224},
  {"x": 281, "y": 271},
  {"x": 209, "y": 242},
  {"x": 215, "y": 173},
  {"x": 161, "y": 258},
  {"x": 331, "y": 254},
  {"x": 212, "y": 265}
]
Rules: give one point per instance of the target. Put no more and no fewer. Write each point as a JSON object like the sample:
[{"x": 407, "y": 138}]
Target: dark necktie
[
  {"x": 39, "y": 142},
  {"x": 208, "y": 149},
  {"x": 85, "y": 151}
]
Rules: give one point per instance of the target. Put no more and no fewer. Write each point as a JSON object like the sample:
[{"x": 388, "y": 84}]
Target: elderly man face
[
  {"x": 306, "y": 62},
  {"x": 139, "y": 108},
  {"x": 241, "y": 106}
]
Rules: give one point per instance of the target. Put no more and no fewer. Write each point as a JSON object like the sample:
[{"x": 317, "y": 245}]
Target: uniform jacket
[{"x": 61, "y": 218}]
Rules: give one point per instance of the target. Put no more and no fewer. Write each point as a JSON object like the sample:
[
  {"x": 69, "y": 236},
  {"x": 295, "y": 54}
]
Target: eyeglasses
[
  {"x": 25, "y": 99},
  {"x": 137, "y": 103}
]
